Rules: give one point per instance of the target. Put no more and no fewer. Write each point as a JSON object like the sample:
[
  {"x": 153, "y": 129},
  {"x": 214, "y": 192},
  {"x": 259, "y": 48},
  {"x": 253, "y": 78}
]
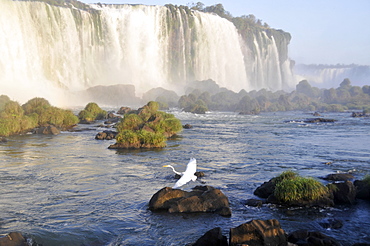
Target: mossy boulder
[
  {"x": 91, "y": 112},
  {"x": 290, "y": 189},
  {"x": 146, "y": 127},
  {"x": 37, "y": 112}
]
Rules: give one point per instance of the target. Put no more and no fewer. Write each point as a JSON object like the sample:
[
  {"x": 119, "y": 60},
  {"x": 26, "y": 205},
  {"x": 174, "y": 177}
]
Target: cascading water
[
  {"x": 326, "y": 76},
  {"x": 53, "y": 51}
]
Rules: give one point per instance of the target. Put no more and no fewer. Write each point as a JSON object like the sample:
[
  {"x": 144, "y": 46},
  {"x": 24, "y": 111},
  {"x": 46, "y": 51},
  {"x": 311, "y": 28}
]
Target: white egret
[{"x": 186, "y": 176}]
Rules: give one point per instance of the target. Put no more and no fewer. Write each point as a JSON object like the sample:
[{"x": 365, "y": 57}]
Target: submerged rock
[
  {"x": 212, "y": 237},
  {"x": 203, "y": 199},
  {"x": 258, "y": 232},
  {"x": 187, "y": 126},
  {"x": 319, "y": 120},
  {"x": 339, "y": 177},
  {"x": 304, "y": 237},
  {"x": 360, "y": 114},
  {"x": 106, "y": 135},
  {"x": 254, "y": 203},
  {"x": 47, "y": 130},
  {"x": 331, "y": 223}
]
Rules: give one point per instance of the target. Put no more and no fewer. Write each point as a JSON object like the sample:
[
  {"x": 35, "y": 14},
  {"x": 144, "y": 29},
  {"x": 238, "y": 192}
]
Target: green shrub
[
  {"x": 12, "y": 109},
  {"x": 85, "y": 115},
  {"x": 153, "y": 106},
  {"x": 92, "y": 112},
  {"x": 35, "y": 105},
  {"x": 298, "y": 189},
  {"x": 130, "y": 122},
  {"x": 128, "y": 136},
  {"x": 69, "y": 118},
  {"x": 3, "y": 100},
  {"x": 152, "y": 139},
  {"x": 147, "y": 128},
  {"x": 16, "y": 119}
]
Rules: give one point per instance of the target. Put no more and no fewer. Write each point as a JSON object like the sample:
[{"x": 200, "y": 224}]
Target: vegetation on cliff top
[
  {"x": 17, "y": 119},
  {"x": 146, "y": 128}
]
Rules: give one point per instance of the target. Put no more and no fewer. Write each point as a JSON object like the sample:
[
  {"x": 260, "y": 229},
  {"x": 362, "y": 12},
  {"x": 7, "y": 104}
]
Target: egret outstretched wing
[{"x": 188, "y": 175}]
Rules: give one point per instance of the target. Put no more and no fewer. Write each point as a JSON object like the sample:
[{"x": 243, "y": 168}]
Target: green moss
[
  {"x": 147, "y": 128},
  {"x": 299, "y": 189},
  {"x": 3, "y": 100},
  {"x": 36, "y": 105},
  {"x": 130, "y": 122},
  {"x": 128, "y": 136},
  {"x": 92, "y": 112},
  {"x": 151, "y": 139}
]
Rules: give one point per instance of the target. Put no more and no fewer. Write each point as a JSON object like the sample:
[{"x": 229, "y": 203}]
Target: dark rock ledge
[{"x": 203, "y": 199}]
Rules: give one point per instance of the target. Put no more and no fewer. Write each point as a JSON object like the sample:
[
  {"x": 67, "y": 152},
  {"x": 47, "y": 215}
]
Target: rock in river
[{"x": 202, "y": 199}]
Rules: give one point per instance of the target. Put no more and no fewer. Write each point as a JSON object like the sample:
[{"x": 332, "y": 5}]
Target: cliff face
[{"x": 47, "y": 49}]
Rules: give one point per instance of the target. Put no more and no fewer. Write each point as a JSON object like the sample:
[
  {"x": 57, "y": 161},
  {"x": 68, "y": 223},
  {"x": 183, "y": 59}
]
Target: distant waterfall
[
  {"x": 50, "y": 51},
  {"x": 326, "y": 76}
]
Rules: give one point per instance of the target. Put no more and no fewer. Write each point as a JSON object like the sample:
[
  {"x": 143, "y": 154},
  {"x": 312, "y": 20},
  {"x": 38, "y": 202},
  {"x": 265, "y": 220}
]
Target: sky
[{"x": 323, "y": 31}]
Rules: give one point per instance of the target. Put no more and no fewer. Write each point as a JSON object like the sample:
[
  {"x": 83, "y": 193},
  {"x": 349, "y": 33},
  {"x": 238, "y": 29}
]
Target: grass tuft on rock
[{"x": 296, "y": 188}]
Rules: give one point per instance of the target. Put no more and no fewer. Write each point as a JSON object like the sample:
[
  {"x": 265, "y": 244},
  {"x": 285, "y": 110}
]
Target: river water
[{"x": 70, "y": 189}]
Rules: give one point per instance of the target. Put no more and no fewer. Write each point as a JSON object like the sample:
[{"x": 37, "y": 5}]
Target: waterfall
[
  {"x": 326, "y": 76},
  {"x": 53, "y": 51}
]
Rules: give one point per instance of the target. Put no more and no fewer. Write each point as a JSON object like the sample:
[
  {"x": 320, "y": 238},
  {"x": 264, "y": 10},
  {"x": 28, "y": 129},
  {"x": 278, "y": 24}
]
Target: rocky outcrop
[
  {"x": 124, "y": 110},
  {"x": 266, "y": 189},
  {"x": 306, "y": 238},
  {"x": 258, "y": 232},
  {"x": 339, "y": 177},
  {"x": 363, "y": 189},
  {"x": 47, "y": 130},
  {"x": 106, "y": 135},
  {"x": 202, "y": 199},
  {"x": 344, "y": 193},
  {"x": 13, "y": 239},
  {"x": 212, "y": 237}
]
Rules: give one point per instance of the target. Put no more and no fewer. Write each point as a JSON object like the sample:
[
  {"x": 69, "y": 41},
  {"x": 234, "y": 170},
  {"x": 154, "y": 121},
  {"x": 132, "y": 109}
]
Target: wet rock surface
[{"x": 202, "y": 199}]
